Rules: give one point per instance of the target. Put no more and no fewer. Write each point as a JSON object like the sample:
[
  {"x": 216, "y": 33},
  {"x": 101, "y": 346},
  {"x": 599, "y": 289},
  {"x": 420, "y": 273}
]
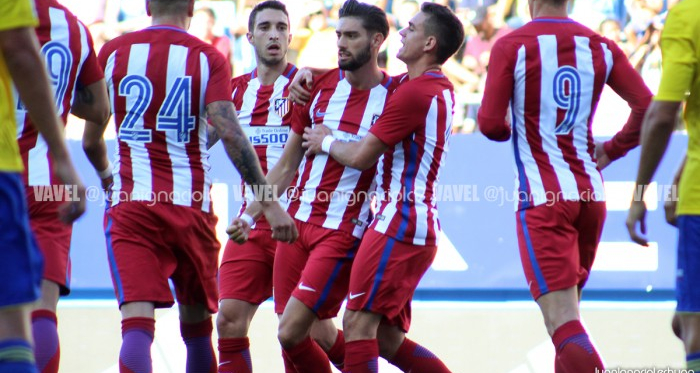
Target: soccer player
[
  {"x": 161, "y": 82},
  {"x": 260, "y": 97},
  {"x": 71, "y": 62},
  {"x": 330, "y": 202},
  {"x": 21, "y": 262},
  {"x": 680, "y": 82},
  {"x": 410, "y": 141},
  {"x": 547, "y": 77}
]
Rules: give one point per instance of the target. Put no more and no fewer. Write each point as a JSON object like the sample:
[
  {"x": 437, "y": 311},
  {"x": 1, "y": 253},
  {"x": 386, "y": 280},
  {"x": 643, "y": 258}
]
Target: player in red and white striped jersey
[
  {"x": 79, "y": 87},
  {"x": 550, "y": 74},
  {"x": 260, "y": 97},
  {"x": 410, "y": 140},
  {"x": 163, "y": 83},
  {"x": 330, "y": 202}
]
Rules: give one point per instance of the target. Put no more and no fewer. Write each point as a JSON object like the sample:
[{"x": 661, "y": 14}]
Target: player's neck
[
  {"x": 366, "y": 77},
  {"x": 544, "y": 10},
  {"x": 422, "y": 66},
  {"x": 267, "y": 75},
  {"x": 181, "y": 21}
]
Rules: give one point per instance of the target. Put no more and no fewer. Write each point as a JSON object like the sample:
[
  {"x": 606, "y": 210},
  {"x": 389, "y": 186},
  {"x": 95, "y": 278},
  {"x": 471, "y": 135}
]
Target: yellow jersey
[
  {"x": 13, "y": 14},
  {"x": 680, "y": 81}
]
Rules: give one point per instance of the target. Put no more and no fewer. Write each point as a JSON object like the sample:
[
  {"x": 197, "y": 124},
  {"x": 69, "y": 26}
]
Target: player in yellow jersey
[
  {"x": 20, "y": 260},
  {"x": 680, "y": 46}
]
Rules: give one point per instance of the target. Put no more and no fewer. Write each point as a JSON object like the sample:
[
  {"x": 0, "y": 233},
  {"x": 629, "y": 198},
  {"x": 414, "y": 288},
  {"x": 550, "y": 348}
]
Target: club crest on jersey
[
  {"x": 281, "y": 106},
  {"x": 374, "y": 119}
]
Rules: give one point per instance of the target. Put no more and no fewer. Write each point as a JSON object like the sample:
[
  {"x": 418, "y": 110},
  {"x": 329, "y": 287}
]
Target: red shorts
[
  {"x": 314, "y": 269},
  {"x": 53, "y": 237},
  {"x": 246, "y": 270},
  {"x": 558, "y": 243},
  {"x": 147, "y": 245},
  {"x": 385, "y": 276}
]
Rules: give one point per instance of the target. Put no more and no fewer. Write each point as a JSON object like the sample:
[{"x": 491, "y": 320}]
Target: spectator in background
[
  {"x": 202, "y": 26},
  {"x": 320, "y": 38},
  {"x": 478, "y": 51}
]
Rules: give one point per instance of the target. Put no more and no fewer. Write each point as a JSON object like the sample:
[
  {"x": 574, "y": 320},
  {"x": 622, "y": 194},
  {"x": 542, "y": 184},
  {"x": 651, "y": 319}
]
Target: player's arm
[
  {"x": 493, "y": 113},
  {"x": 627, "y": 83},
  {"x": 92, "y": 104},
  {"x": 359, "y": 155},
  {"x": 223, "y": 117},
  {"x": 300, "y": 87},
  {"x": 281, "y": 175},
  {"x": 679, "y": 68},
  {"x": 20, "y": 49}
]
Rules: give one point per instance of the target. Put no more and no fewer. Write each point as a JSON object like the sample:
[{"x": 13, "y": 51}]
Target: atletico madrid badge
[{"x": 282, "y": 106}]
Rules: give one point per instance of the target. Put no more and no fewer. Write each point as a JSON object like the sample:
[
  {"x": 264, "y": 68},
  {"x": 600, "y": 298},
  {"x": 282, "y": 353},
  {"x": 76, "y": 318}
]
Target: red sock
[
  {"x": 557, "y": 365},
  {"x": 47, "y": 349},
  {"x": 337, "y": 352},
  {"x": 137, "y": 337},
  {"x": 362, "y": 356},
  {"x": 234, "y": 355},
  {"x": 414, "y": 358},
  {"x": 288, "y": 364},
  {"x": 200, "y": 352},
  {"x": 575, "y": 352},
  {"x": 308, "y": 357}
]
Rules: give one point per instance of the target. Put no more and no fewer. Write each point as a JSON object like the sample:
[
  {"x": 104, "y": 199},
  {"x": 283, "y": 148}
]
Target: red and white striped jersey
[
  {"x": 66, "y": 46},
  {"x": 551, "y": 73},
  {"x": 327, "y": 193},
  {"x": 160, "y": 80},
  {"x": 416, "y": 127},
  {"x": 265, "y": 115}
]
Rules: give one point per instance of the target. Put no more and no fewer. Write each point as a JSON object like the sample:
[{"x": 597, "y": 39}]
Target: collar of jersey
[
  {"x": 166, "y": 27},
  {"x": 553, "y": 20}
]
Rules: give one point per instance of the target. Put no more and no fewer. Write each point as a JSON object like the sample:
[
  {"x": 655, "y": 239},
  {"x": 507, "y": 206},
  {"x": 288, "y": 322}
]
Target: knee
[
  {"x": 229, "y": 324},
  {"x": 289, "y": 336},
  {"x": 359, "y": 325}
]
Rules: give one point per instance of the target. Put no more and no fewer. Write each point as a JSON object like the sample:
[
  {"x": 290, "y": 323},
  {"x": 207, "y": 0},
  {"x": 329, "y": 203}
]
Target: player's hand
[
  {"x": 283, "y": 227},
  {"x": 107, "y": 184},
  {"x": 637, "y": 213},
  {"x": 300, "y": 87},
  {"x": 238, "y": 231},
  {"x": 73, "y": 209},
  {"x": 602, "y": 158},
  {"x": 313, "y": 138},
  {"x": 670, "y": 204}
]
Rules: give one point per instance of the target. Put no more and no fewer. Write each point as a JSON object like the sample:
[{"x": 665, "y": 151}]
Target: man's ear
[
  {"x": 190, "y": 9},
  {"x": 148, "y": 8},
  {"x": 430, "y": 44}
]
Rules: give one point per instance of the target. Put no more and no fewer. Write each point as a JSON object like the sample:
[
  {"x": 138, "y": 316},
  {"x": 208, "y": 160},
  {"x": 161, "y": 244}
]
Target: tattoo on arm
[
  {"x": 85, "y": 96},
  {"x": 235, "y": 142}
]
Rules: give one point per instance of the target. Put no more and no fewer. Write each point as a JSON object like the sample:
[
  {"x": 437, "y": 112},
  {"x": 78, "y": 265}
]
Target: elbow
[{"x": 494, "y": 133}]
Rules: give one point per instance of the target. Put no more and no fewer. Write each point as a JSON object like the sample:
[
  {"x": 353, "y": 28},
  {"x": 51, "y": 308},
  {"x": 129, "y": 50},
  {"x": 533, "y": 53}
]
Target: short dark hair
[
  {"x": 446, "y": 27},
  {"x": 373, "y": 18},
  {"x": 269, "y": 4},
  {"x": 162, "y": 7}
]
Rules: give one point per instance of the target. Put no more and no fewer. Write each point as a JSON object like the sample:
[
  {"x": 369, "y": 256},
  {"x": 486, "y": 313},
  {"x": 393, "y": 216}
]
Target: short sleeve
[
  {"x": 17, "y": 13},
  {"x": 91, "y": 71},
  {"x": 219, "y": 84},
  {"x": 678, "y": 48},
  {"x": 301, "y": 118},
  {"x": 403, "y": 115}
]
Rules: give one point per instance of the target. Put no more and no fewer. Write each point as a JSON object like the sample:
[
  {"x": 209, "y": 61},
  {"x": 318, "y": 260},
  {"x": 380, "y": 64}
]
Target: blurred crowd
[{"x": 634, "y": 24}]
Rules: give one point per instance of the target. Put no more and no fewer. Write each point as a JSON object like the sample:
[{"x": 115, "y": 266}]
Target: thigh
[
  {"x": 688, "y": 271},
  {"x": 196, "y": 249},
  {"x": 53, "y": 237},
  {"x": 140, "y": 260},
  {"x": 21, "y": 264},
  {"x": 548, "y": 245},
  {"x": 324, "y": 281},
  {"x": 385, "y": 276},
  {"x": 290, "y": 260},
  {"x": 246, "y": 270},
  {"x": 590, "y": 227}
]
